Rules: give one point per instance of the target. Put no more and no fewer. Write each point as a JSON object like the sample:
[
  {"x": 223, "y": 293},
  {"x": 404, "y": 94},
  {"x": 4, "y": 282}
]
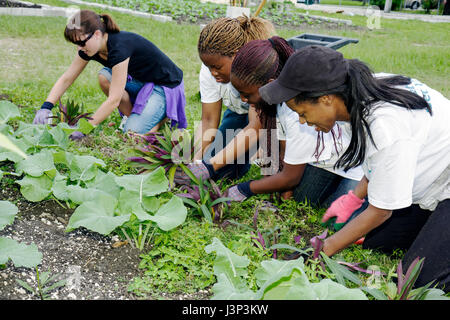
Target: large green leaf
[
  {"x": 38, "y": 164},
  {"x": 35, "y": 189},
  {"x": 7, "y": 146},
  {"x": 59, "y": 187},
  {"x": 8, "y": 110},
  {"x": 227, "y": 262},
  {"x": 147, "y": 184},
  {"x": 171, "y": 214},
  {"x": 55, "y": 137},
  {"x": 225, "y": 289},
  {"x": 272, "y": 270},
  {"x": 80, "y": 195},
  {"x": 97, "y": 215},
  {"x": 84, "y": 168},
  {"x": 105, "y": 182},
  {"x": 21, "y": 255},
  {"x": 132, "y": 202},
  {"x": 8, "y": 212}
]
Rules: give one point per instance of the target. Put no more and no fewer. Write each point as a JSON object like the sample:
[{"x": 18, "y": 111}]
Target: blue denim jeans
[
  {"x": 235, "y": 121},
  {"x": 321, "y": 187},
  {"x": 154, "y": 111}
]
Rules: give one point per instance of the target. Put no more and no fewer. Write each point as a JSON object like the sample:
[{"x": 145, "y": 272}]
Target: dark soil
[{"x": 14, "y": 4}]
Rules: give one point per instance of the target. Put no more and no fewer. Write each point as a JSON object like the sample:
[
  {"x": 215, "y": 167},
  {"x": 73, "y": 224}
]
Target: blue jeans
[
  {"x": 235, "y": 121},
  {"x": 321, "y": 187},
  {"x": 154, "y": 111}
]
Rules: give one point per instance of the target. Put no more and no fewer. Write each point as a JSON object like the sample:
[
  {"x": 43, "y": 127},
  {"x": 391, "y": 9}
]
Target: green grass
[{"x": 33, "y": 54}]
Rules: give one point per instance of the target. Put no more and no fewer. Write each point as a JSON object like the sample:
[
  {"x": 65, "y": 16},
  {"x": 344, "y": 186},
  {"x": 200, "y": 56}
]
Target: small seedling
[{"x": 45, "y": 283}]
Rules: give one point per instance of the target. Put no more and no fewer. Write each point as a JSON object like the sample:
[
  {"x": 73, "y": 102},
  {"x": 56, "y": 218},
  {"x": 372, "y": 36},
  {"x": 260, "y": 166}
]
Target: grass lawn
[{"x": 33, "y": 54}]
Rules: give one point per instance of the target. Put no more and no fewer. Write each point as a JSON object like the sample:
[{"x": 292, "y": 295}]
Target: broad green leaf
[
  {"x": 7, "y": 144},
  {"x": 82, "y": 125},
  {"x": 8, "y": 110},
  {"x": 8, "y": 212},
  {"x": 131, "y": 202},
  {"x": 146, "y": 184},
  {"x": 272, "y": 270},
  {"x": 293, "y": 286},
  {"x": 31, "y": 133},
  {"x": 55, "y": 137},
  {"x": 171, "y": 214},
  {"x": 62, "y": 157},
  {"x": 227, "y": 262},
  {"x": 38, "y": 164},
  {"x": 21, "y": 255},
  {"x": 97, "y": 215},
  {"x": 80, "y": 195},
  {"x": 59, "y": 187},
  {"x": 105, "y": 182},
  {"x": 84, "y": 168},
  {"x": 1, "y": 174},
  {"x": 224, "y": 289},
  {"x": 327, "y": 289},
  {"x": 35, "y": 189}
]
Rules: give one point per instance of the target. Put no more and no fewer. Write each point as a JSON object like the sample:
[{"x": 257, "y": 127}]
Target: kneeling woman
[
  {"x": 138, "y": 78},
  {"x": 400, "y": 134},
  {"x": 308, "y": 155}
]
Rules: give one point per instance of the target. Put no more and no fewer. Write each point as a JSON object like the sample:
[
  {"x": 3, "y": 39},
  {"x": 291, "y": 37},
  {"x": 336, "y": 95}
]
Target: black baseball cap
[{"x": 310, "y": 69}]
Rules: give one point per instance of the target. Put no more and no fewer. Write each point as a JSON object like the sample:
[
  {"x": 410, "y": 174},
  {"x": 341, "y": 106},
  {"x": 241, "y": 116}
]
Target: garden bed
[{"x": 14, "y": 4}]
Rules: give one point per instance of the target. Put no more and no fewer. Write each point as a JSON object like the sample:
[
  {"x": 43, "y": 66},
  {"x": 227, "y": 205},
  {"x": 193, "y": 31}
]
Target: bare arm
[
  {"x": 361, "y": 189},
  {"x": 118, "y": 81},
  {"x": 66, "y": 79},
  {"x": 368, "y": 220},
  {"x": 287, "y": 179},
  {"x": 240, "y": 144},
  {"x": 206, "y": 132}
]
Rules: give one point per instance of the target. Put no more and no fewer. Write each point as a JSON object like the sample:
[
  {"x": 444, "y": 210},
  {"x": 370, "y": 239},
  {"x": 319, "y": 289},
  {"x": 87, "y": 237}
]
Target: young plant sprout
[
  {"x": 162, "y": 149},
  {"x": 71, "y": 113}
]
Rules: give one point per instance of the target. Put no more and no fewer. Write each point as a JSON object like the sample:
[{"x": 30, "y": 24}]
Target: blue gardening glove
[
  {"x": 240, "y": 192},
  {"x": 42, "y": 116},
  {"x": 200, "y": 169},
  {"x": 77, "y": 135}
]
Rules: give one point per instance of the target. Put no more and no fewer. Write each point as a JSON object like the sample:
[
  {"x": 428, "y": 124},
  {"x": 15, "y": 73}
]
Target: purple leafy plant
[
  {"x": 71, "y": 113},
  {"x": 162, "y": 149}
]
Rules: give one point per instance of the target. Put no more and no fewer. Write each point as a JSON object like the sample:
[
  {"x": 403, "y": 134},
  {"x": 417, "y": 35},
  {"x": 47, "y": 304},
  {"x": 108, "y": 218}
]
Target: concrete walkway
[{"x": 364, "y": 11}]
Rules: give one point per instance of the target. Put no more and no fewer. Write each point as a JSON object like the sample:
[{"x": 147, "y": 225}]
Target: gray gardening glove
[{"x": 42, "y": 116}]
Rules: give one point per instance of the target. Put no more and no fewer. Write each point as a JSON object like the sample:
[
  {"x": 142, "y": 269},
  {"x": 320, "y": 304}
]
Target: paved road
[{"x": 355, "y": 10}]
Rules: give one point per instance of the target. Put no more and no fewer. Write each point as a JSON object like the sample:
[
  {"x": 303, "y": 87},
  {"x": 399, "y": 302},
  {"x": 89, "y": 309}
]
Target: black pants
[{"x": 423, "y": 234}]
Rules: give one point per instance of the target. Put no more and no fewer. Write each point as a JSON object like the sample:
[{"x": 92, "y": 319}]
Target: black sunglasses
[{"x": 82, "y": 43}]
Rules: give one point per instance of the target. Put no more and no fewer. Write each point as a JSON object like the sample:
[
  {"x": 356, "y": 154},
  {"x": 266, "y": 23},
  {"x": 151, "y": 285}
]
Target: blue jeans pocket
[{"x": 153, "y": 113}]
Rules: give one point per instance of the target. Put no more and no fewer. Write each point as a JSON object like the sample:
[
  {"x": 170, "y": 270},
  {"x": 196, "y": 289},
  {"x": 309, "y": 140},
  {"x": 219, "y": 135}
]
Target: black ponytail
[{"x": 360, "y": 94}]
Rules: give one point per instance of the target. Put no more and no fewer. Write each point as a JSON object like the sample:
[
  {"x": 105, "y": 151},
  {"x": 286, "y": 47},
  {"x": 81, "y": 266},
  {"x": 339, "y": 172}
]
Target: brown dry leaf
[{"x": 119, "y": 244}]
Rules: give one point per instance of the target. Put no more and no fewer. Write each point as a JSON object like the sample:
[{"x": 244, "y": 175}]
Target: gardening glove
[
  {"x": 43, "y": 114},
  {"x": 200, "y": 169},
  {"x": 341, "y": 210},
  {"x": 77, "y": 135},
  {"x": 240, "y": 192}
]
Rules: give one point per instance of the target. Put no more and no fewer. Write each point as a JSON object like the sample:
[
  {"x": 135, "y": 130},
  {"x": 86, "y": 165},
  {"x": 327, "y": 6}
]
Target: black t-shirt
[{"x": 147, "y": 62}]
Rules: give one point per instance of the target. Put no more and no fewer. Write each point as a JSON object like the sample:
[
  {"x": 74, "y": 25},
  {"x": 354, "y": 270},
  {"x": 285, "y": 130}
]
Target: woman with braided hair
[
  {"x": 308, "y": 156},
  {"x": 224, "y": 151},
  {"x": 137, "y": 78}
]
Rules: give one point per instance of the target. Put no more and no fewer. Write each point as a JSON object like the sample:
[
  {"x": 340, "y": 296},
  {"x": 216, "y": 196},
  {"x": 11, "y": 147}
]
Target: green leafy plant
[
  {"x": 276, "y": 280},
  {"x": 162, "y": 149},
  {"x": 206, "y": 198},
  {"x": 71, "y": 112},
  {"x": 45, "y": 284}
]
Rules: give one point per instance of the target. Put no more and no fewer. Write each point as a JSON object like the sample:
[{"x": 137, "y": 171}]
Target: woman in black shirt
[{"x": 138, "y": 78}]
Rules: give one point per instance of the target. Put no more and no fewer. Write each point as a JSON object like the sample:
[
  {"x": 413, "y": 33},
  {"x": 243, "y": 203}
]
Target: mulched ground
[{"x": 13, "y": 4}]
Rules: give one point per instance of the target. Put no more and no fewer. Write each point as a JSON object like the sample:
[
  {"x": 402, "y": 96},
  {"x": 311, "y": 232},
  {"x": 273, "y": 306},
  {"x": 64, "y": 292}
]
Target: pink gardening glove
[{"x": 341, "y": 210}]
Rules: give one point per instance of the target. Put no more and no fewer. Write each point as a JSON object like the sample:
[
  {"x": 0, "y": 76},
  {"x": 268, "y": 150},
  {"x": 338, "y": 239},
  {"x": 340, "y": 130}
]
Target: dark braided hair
[
  {"x": 225, "y": 36},
  {"x": 255, "y": 64}
]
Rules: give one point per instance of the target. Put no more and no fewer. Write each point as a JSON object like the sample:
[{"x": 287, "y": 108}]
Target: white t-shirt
[
  {"x": 301, "y": 142},
  {"x": 411, "y": 161},
  {"x": 213, "y": 91}
]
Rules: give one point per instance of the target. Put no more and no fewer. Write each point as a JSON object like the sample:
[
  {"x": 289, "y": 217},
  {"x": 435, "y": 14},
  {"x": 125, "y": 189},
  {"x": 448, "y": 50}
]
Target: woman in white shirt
[
  {"x": 224, "y": 149},
  {"x": 400, "y": 134}
]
